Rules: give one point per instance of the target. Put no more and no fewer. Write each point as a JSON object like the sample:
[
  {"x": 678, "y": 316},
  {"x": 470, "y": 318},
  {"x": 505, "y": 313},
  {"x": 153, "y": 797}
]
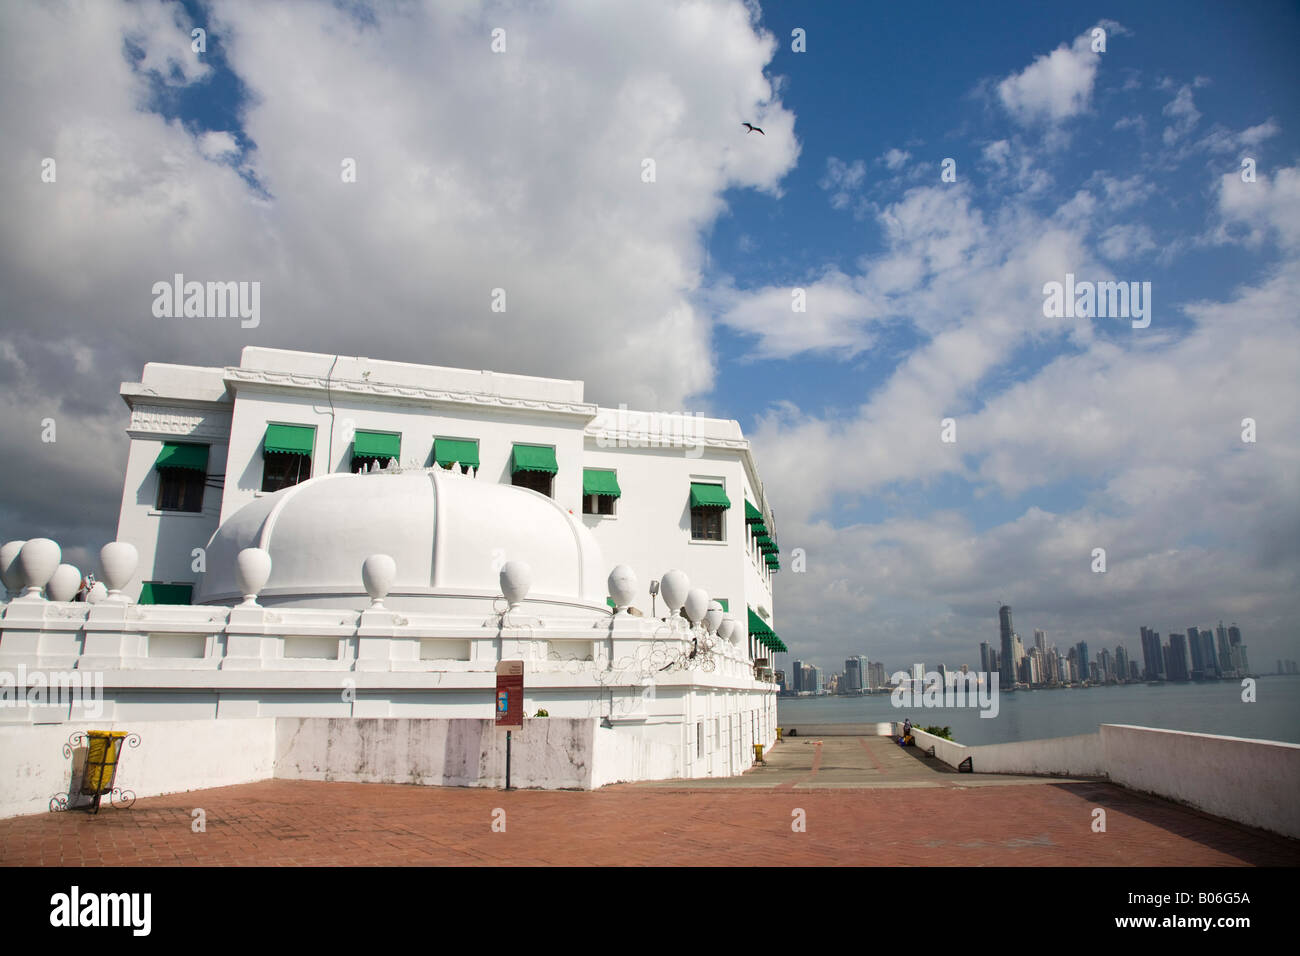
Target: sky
[{"x": 858, "y": 283}]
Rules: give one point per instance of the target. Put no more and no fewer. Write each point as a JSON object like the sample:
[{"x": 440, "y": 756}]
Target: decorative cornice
[
  {"x": 418, "y": 394},
  {"x": 147, "y": 420}
]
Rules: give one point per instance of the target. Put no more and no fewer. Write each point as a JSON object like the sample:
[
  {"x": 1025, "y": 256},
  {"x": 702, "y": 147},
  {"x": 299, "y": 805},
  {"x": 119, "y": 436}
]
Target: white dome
[{"x": 449, "y": 534}]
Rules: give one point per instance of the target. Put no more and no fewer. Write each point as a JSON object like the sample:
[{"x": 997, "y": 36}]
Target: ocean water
[{"x": 1210, "y": 708}]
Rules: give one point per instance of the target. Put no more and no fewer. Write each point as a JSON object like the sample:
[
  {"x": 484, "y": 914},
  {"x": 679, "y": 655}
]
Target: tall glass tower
[{"x": 1005, "y": 659}]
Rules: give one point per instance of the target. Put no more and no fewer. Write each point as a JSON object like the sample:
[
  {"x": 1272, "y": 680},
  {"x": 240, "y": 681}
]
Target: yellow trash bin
[
  {"x": 102, "y": 752},
  {"x": 758, "y": 754},
  {"x": 778, "y": 732}
]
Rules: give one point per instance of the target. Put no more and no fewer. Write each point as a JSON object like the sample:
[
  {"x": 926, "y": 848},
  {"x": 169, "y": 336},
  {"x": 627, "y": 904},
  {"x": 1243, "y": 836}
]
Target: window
[
  {"x": 180, "y": 489},
  {"x": 182, "y": 470},
  {"x": 286, "y": 455},
  {"x": 706, "y": 524},
  {"x": 599, "y": 491},
  {"x": 371, "y": 447},
  {"x": 535, "y": 480},
  {"x": 450, "y": 453},
  {"x": 284, "y": 471},
  {"x": 708, "y": 502}
]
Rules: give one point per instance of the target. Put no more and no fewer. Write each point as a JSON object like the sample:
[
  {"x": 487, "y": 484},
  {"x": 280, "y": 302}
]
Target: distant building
[
  {"x": 796, "y": 676},
  {"x": 1178, "y": 650},
  {"x": 1085, "y": 661},
  {"x": 1005, "y": 656},
  {"x": 1153, "y": 660},
  {"x": 877, "y": 671},
  {"x": 1225, "y": 651}
]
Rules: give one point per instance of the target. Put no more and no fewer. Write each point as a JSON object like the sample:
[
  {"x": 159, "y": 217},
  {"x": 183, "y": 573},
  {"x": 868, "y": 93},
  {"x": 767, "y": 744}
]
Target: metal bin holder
[{"x": 97, "y": 775}]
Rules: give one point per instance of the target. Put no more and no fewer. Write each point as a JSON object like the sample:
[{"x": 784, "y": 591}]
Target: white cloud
[
  {"x": 1183, "y": 114},
  {"x": 1055, "y": 87}
]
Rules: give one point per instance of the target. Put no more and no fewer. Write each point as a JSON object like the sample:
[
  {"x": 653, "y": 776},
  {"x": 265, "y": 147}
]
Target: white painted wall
[
  {"x": 553, "y": 753},
  {"x": 173, "y": 757},
  {"x": 1255, "y": 782},
  {"x": 1251, "y": 781}
]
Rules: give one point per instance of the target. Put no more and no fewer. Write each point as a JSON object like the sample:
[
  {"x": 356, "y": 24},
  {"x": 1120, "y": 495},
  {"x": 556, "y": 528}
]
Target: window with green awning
[
  {"x": 152, "y": 592},
  {"x": 183, "y": 456},
  {"x": 533, "y": 458},
  {"x": 708, "y": 496},
  {"x": 596, "y": 481},
  {"x": 375, "y": 446},
  {"x": 456, "y": 451},
  {"x": 289, "y": 440}
]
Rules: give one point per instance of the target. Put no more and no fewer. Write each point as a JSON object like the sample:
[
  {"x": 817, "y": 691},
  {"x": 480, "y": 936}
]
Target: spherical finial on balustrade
[
  {"x": 622, "y": 587},
  {"x": 11, "y": 571},
  {"x": 378, "y": 573},
  {"x": 64, "y": 583},
  {"x": 727, "y": 630},
  {"x": 696, "y": 605},
  {"x": 38, "y": 559},
  {"x": 252, "y": 571},
  {"x": 674, "y": 585},
  {"x": 118, "y": 561},
  {"x": 516, "y": 579}
]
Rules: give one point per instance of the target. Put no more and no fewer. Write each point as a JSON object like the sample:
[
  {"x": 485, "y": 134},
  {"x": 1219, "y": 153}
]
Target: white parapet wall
[
  {"x": 1255, "y": 782},
  {"x": 1251, "y": 781},
  {"x": 1077, "y": 756},
  {"x": 173, "y": 756}
]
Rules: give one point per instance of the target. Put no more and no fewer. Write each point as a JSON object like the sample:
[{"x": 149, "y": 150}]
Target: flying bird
[{"x": 753, "y": 129}]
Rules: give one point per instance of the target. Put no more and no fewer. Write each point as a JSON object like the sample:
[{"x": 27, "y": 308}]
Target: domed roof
[{"x": 448, "y": 533}]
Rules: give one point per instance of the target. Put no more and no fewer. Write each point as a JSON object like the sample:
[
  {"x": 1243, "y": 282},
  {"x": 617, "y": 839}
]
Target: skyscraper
[
  {"x": 1153, "y": 660},
  {"x": 1085, "y": 670},
  {"x": 1040, "y": 641},
  {"x": 1208, "y": 656},
  {"x": 1225, "y": 652},
  {"x": 986, "y": 660},
  {"x": 1177, "y": 669},
  {"x": 796, "y": 676},
  {"x": 1005, "y": 658},
  {"x": 1194, "y": 648},
  {"x": 1121, "y": 663}
]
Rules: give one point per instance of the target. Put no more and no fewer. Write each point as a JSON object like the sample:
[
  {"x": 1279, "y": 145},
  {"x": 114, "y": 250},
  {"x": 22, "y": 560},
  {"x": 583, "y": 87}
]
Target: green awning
[
  {"x": 378, "y": 445},
  {"x": 153, "y": 593},
  {"x": 752, "y": 514},
  {"x": 763, "y": 540},
  {"x": 723, "y": 602},
  {"x": 708, "y": 496},
  {"x": 192, "y": 457},
  {"x": 759, "y": 529},
  {"x": 533, "y": 458},
  {"x": 455, "y": 451},
  {"x": 596, "y": 481},
  {"x": 289, "y": 440},
  {"x": 757, "y": 626}
]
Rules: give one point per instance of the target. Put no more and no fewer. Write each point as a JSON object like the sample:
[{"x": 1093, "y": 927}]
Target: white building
[{"x": 236, "y": 588}]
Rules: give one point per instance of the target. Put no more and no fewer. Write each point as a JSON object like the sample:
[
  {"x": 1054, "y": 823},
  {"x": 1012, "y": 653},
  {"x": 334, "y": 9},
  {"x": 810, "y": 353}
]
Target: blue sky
[{"x": 521, "y": 169}]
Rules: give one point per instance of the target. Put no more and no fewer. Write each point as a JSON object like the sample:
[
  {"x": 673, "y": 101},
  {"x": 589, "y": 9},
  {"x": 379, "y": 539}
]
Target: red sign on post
[{"x": 510, "y": 694}]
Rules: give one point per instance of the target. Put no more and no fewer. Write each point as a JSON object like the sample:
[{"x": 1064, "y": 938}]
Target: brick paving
[{"x": 927, "y": 817}]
